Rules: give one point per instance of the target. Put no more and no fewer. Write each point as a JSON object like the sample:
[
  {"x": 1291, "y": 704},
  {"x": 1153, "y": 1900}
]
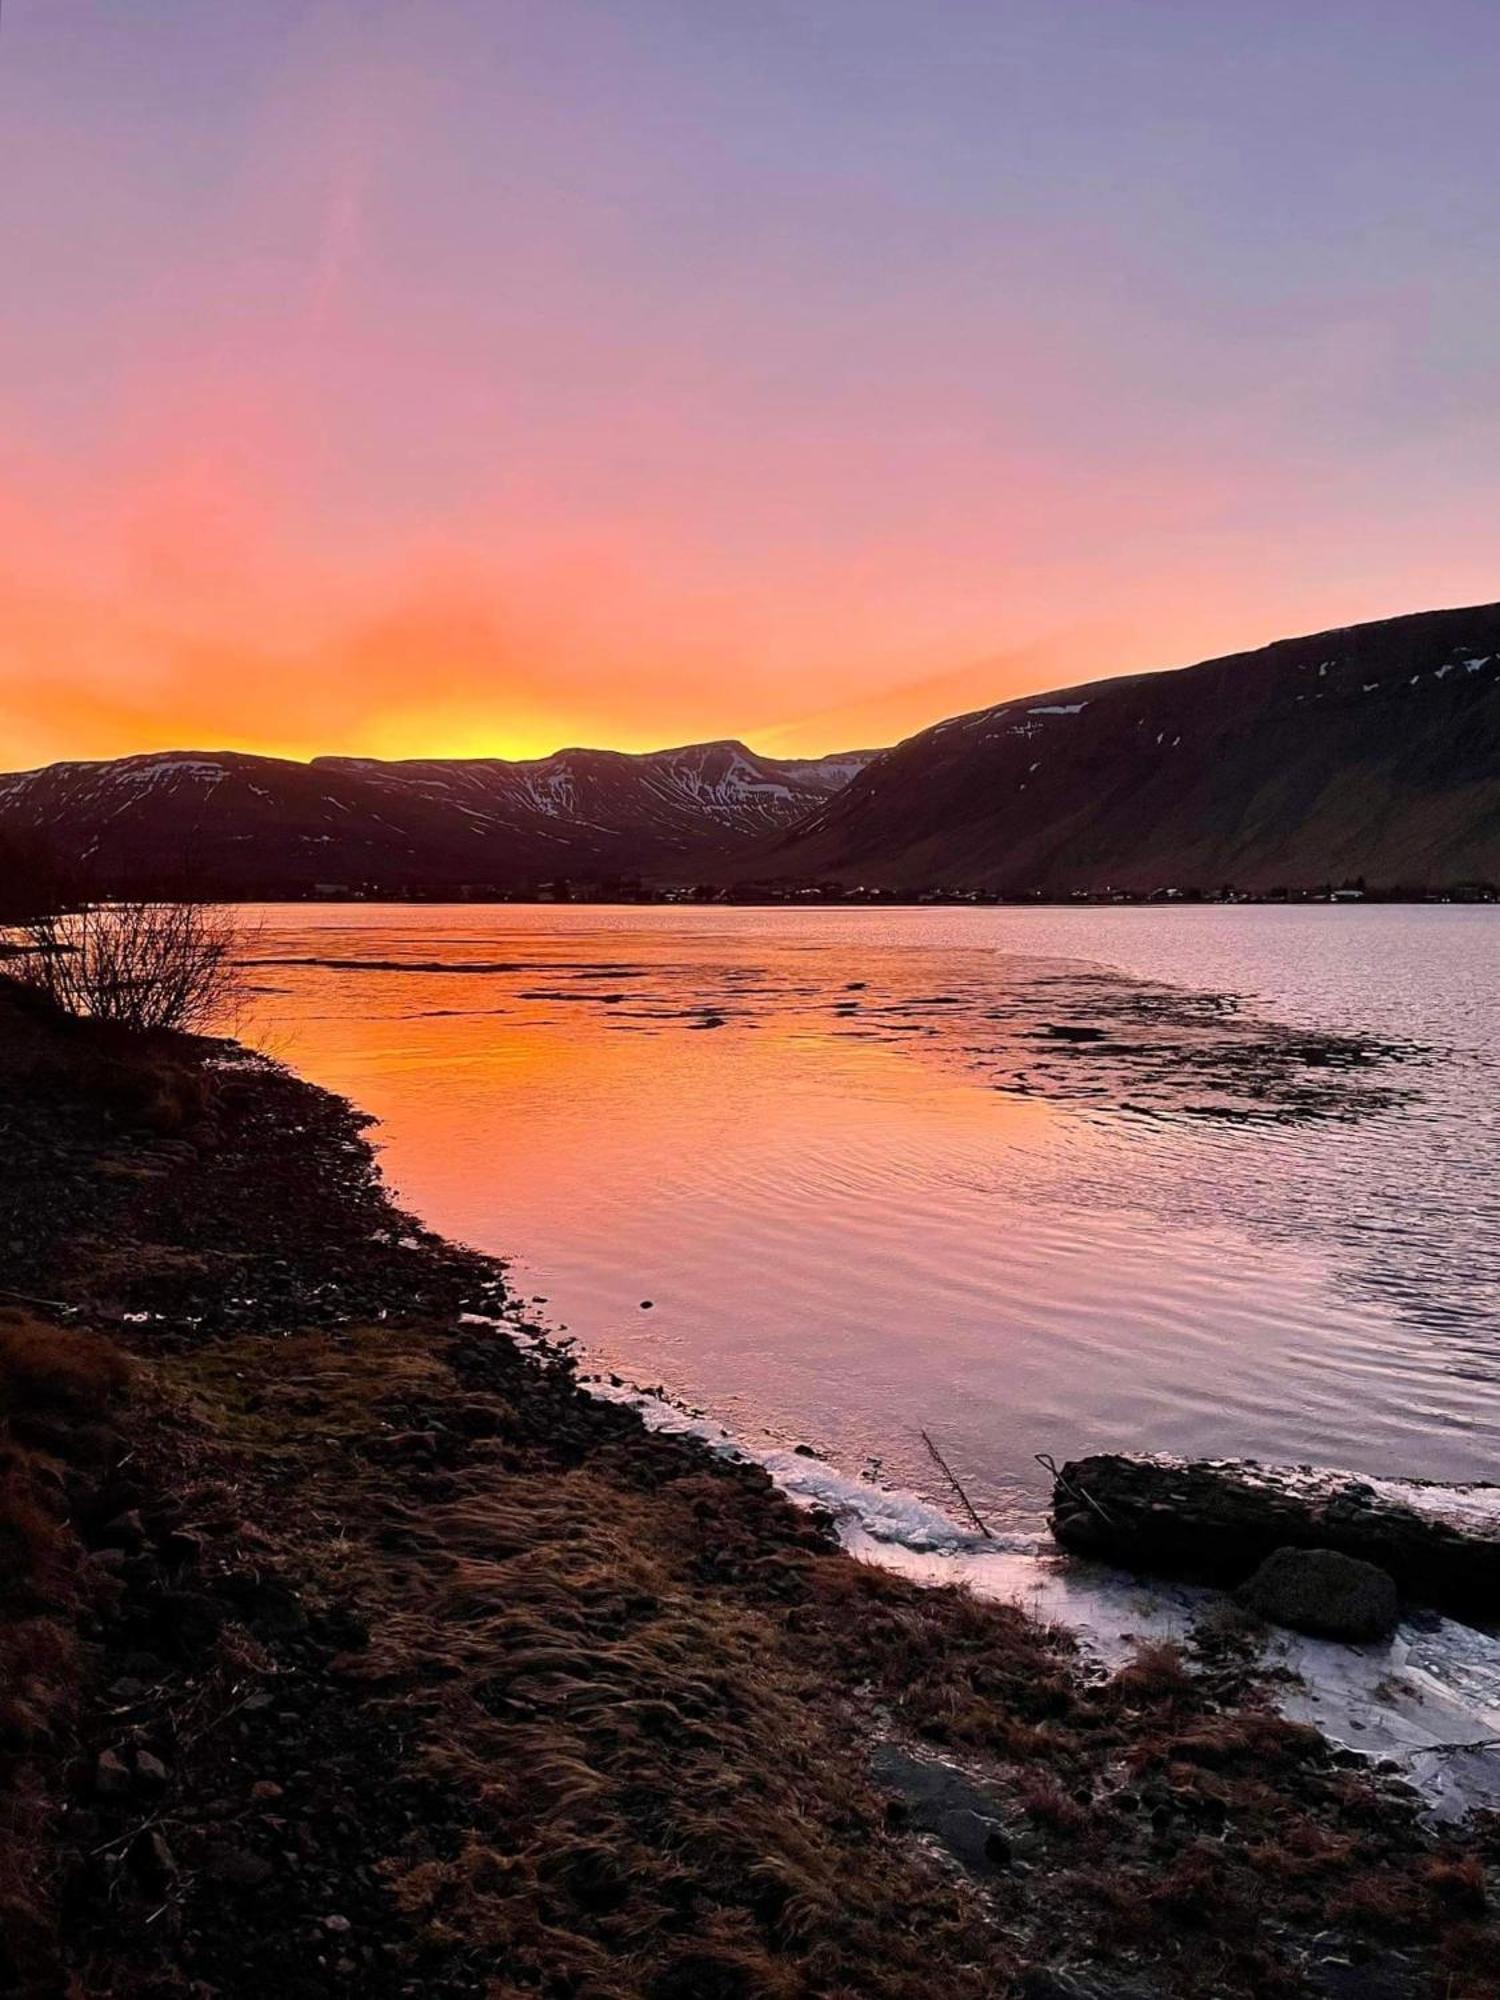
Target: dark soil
[{"x": 348, "y": 1647}]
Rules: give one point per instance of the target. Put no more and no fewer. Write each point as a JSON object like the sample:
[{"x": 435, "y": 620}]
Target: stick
[
  {"x": 948, "y": 1474},
  {"x": 1049, "y": 1464}
]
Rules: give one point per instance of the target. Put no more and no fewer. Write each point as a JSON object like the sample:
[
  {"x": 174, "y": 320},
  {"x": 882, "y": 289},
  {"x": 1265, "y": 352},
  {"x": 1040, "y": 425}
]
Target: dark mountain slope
[
  {"x": 1373, "y": 752},
  {"x": 241, "y": 825}
]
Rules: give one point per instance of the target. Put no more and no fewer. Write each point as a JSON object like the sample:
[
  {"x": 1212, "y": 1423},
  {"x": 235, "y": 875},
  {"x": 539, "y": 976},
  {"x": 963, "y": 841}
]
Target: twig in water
[{"x": 947, "y": 1471}]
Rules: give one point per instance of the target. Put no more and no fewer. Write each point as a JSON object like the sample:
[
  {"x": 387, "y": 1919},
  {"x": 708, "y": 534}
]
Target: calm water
[{"x": 1033, "y": 1180}]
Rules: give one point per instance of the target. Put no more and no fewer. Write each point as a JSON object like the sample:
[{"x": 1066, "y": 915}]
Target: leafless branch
[{"x": 142, "y": 964}]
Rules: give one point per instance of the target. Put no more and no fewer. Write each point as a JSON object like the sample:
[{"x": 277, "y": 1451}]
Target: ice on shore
[{"x": 1426, "y": 1701}]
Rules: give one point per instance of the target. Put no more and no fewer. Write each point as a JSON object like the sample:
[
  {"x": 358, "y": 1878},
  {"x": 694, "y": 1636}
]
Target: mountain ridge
[
  {"x": 234, "y": 822},
  {"x": 1368, "y": 750}
]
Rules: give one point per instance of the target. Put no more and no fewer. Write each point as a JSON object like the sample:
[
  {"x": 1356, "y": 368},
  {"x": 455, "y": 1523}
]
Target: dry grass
[
  {"x": 1043, "y": 1800},
  {"x": 1158, "y": 1677},
  {"x": 1456, "y": 1882},
  {"x": 59, "y": 1392},
  {"x": 153, "y": 1083},
  {"x": 1247, "y": 1739},
  {"x": 598, "y": 1770},
  {"x": 47, "y": 1372}
]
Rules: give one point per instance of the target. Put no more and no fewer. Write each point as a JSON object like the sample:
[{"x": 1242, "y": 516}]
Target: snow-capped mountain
[
  {"x": 242, "y": 824},
  {"x": 1372, "y": 751}
]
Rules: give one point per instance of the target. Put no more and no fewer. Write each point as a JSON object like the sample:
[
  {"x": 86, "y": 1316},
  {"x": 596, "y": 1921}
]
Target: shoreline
[
  {"x": 1483, "y": 896},
  {"x": 402, "y": 1660},
  {"x": 1426, "y": 1701}
]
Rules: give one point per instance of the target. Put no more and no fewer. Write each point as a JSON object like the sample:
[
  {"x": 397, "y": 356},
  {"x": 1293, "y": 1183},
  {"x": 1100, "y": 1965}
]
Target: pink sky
[{"x": 486, "y": 377}]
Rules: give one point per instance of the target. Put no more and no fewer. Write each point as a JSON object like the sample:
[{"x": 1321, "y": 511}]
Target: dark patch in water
[
  {"x": 1158, "y": 1050},
  {"x": 577, "y": 999},
  {"x": 399, "y": 964}
]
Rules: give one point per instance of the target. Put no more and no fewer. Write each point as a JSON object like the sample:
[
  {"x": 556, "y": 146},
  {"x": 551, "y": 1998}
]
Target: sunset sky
[{"x": 465, "y": 376}]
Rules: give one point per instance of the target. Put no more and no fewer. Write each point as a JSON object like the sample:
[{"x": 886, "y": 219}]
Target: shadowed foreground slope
[{"x": 348, "y": 1646}]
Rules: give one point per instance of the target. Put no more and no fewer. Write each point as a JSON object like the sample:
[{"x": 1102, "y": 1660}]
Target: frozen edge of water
[{"x": 1427, "y": 1699}]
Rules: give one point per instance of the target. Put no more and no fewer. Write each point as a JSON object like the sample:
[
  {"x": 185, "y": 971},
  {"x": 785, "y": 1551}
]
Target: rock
[
  {"x": 1324, "y": 1592},
  {"x": 124, "y": 1532},
  {"x": 338, "y": 1925},
  {"x": 477, "y": 1419},
  {"x": 937, "y": 1798},
  {"x": 1218, "y": 1519},
  {"x": 975, "y": 1839},
  {"x": 237, "y": 1868},
  {"x": 152, "y": 1859},
  {"x": 421, "y": 1447},
  {"x": 1384, "y": 1976},
  {"x": 111, "y": 1776},
  {"x": 187, "y": 1622},
  {"x": 268, "y": 1602},
  {"x": 150, "y": 1771}
]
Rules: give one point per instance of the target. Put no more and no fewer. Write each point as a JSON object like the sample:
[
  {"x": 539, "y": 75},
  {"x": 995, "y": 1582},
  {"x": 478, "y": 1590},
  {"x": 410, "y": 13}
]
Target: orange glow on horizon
[
  {"x": 394, "y": 386},
  {"x": 204, "y": 616}
]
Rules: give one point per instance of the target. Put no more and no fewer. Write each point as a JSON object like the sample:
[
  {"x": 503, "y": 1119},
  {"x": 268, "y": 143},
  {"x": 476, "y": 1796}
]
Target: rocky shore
[
  {"x": 347, "y": 1643},
  {"x": 1224, "y": 1520}
]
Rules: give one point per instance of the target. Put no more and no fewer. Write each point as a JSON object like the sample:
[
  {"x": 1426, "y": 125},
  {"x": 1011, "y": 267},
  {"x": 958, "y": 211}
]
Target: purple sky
[{"x": 478, "y": 375}]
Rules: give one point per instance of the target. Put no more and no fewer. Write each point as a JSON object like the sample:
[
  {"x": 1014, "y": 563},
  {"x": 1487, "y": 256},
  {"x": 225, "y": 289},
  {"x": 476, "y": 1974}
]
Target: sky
[{"x": 458, "y": 377}]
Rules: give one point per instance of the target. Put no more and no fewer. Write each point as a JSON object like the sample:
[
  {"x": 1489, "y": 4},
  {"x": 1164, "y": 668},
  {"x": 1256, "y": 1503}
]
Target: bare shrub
[{"x": 142, "y": 965}]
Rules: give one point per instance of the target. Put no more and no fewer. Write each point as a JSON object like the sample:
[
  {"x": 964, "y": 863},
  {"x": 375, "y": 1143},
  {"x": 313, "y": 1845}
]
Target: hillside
[
  {"x": 261, "y": 825},
  {"x": 1370, "y": 752}
]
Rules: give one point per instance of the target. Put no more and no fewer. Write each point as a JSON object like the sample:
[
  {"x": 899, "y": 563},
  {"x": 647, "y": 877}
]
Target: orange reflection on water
[{"x": 864, "y": 1185}]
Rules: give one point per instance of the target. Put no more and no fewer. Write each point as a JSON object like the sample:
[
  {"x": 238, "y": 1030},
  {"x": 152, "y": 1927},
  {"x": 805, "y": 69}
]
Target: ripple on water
[{"x": 1242, "y": 1203}]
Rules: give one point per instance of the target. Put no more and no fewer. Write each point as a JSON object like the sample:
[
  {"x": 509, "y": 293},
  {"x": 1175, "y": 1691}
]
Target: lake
[{"x": 1208, "y": 1180}]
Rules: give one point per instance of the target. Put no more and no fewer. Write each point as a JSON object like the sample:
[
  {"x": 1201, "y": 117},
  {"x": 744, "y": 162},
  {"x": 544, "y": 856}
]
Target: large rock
[
  {"x": 941, "y": 1800},
  {"x": 1219, "y": 1519},
  {"x": 1320, "y": 1591}
]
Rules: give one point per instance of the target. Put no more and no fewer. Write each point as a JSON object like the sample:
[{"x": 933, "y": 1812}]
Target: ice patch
[
  {"x": 1475, "y": 1508},
  {"x": 1428, "y": 1699}
]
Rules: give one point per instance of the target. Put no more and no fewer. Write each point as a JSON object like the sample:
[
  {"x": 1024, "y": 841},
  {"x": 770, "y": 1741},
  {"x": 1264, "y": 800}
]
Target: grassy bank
[{"x": 346, "y": 1644}]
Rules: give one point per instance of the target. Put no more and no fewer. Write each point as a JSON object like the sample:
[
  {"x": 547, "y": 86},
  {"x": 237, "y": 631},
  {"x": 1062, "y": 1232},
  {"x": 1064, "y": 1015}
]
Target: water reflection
[{"x": 881, "y": 1171}]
